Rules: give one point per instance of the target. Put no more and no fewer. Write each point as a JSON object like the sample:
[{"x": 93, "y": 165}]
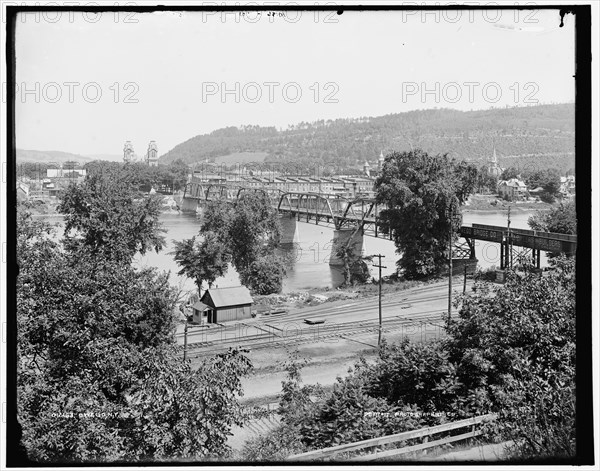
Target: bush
[{"x": 276, "y": 445}]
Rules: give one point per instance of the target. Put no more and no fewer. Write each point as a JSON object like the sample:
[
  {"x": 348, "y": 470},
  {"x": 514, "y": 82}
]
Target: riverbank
[
  {"x": 316, "y": 296},
  {"x": 494, "y": 203}
]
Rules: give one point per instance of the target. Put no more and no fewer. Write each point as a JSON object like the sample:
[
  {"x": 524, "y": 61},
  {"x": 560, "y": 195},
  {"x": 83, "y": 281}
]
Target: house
[
  {"x": 567, "y": 185},
  {"x": 49, "y": 187},
  {"x": 513, "y": 189},
  {"x": 223, "y": 304}
]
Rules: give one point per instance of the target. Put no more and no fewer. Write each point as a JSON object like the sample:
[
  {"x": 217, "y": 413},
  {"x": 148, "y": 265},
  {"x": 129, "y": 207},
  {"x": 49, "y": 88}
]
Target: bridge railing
[
  {"x": 473, "y": 423},
  {"x": 529, "y": 232},
  {"x": 548, "y": 241}
]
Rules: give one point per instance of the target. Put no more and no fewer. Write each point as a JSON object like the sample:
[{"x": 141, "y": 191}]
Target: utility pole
[
  {"x": 185, "y": 334},
  {"x": 508, "y": 242},
  {"x": 450, "y": 273},
  {"x": 379, "y": 256},
  {"x": 450, "y": 234}
]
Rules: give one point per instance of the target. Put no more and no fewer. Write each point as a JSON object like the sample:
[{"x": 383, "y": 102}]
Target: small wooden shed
[
  {"x": 199, "y": 312},
  {"x": 226, "y": 304}
]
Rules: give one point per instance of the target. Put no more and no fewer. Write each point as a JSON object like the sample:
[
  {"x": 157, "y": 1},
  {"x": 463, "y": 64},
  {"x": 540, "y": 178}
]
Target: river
[{"x": 309, "y": 267}]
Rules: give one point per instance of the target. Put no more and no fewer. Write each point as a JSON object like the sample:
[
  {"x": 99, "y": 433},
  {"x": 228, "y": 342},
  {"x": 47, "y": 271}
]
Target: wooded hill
[{"x": 544, "y": 133}]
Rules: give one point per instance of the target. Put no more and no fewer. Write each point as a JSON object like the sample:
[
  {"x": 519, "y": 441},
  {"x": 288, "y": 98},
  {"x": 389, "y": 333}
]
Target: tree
[
  {"x": 510, "y": 351},
  {"x": 265, "y": 274},
  {"x": 486, "y": 181},
  {"x": 414, "y": 374},
  {"x": 99, "y": 375},
  {"x": 549, "y": 180},
  {"x": 422, "y": 195},
  {"x": 109, "y": 216},
  {"x": 562, "y": 219},
  {"x": 516, "y": 346},
  {"x": 509, "y": 173},
  {"x": 250, "y": 228},
  {"x": 202, "y": 261}
]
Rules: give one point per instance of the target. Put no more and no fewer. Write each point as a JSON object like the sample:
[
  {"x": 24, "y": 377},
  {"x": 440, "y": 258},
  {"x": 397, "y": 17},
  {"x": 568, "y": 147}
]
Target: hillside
[
  {"x": 47, "y": 156},
  {"x": 544, "y": 133}
]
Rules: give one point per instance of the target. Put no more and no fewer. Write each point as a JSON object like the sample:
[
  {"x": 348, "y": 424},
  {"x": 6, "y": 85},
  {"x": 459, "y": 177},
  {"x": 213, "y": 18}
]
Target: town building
[
  {"x": 66, "y": 172},
  {"x": 152, "y": 154},
  {"x": 493, "y": 168},
  {"x": 567, "y": 186},
  {"x": 151, "y": 157},
  {"x": 223, "y": 304},
  {"x": 513, "y": 189},
  {"x": 128, "y": 153}
]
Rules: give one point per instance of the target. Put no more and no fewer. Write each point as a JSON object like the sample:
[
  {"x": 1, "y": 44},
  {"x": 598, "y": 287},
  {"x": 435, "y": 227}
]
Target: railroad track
[
  {"x": 323, "y": 332},
  {"x": 330, "y": 312}
]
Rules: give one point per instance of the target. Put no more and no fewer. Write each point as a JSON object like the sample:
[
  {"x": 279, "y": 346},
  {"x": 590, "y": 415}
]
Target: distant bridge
[
  {"x": 352, "y": 218},
  {"x": 320, "y": 208}
]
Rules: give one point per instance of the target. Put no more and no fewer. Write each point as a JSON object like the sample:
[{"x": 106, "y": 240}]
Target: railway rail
[{"x": 320, "y": 333}]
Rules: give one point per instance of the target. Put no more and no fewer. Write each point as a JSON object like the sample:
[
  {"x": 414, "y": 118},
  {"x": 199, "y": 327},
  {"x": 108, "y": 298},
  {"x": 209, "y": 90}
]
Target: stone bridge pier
[
  {"x": 341, "y": 237},
  {"x": 188, "y": 205},
  {"x": 289, "y": 230}
]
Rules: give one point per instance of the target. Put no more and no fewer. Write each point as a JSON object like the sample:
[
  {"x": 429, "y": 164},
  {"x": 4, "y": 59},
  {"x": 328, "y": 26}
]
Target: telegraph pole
[
  {"x": 185, "y": 335},
  {"x": 509, "y": 241},
  {"x": 450, "y": 273},
  {"x": 379, "y": 256},
  {"x": 452, "y": 215}
]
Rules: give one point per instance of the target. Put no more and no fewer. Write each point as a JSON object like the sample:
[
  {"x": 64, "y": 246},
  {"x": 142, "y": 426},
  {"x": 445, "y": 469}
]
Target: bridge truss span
[
  {"x": 361, "y": 216},
  {"x": 335, "y": 210}
]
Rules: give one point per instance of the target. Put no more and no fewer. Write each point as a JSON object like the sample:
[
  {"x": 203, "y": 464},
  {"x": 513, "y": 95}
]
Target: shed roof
[
  {"x": 200, "y": 306},
  {"x": 229, "y": 296}
]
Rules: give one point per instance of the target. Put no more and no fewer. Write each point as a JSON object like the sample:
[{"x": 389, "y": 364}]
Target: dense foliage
[
  {"x": 516, "y": 351},
  {"x": 247, "y": 233},
  {"x": 202, "y": 261},
  {"x": 562, "y": 219},
  {"x": 99, "y": 374},
  {"x": 422, "y": 195},
  {"x": 171, "y": 177},
  {"x": 265, "y": 274},
  {"x": 543, "y": 135},
  {"x": 107, "y": 216},
  {"x": 510, "y": 351}
]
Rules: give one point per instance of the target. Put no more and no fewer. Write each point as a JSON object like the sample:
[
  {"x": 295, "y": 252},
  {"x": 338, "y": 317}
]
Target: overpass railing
[{"x": 548, "y": 241}]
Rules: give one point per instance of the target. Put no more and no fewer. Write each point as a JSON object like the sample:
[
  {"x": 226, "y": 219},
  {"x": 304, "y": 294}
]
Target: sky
[{"x": 86, "y": 84}]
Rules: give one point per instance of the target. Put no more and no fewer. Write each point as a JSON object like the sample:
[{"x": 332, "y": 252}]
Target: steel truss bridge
[
  {"x": 516, "y": 245},
  {"x": 318, "y": 208}
]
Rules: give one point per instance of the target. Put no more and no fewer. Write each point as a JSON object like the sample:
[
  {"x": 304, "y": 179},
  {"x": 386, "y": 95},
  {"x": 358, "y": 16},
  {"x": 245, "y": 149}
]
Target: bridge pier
[
  {"x": 189, "y": 205},
  {"x": 289, "y": 230},
  {"x": 340, "y": 239}
]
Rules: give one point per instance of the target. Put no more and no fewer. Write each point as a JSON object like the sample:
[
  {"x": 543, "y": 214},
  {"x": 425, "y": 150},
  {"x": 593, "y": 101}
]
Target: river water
[{"x": 309, "y": 267}]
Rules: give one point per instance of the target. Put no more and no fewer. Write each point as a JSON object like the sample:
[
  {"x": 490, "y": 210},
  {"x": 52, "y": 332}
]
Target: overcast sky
[{"x": 93, "y": 83}]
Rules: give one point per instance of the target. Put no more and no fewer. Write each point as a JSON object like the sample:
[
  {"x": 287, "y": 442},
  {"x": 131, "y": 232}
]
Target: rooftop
[{"x": 233, "y": 296}]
